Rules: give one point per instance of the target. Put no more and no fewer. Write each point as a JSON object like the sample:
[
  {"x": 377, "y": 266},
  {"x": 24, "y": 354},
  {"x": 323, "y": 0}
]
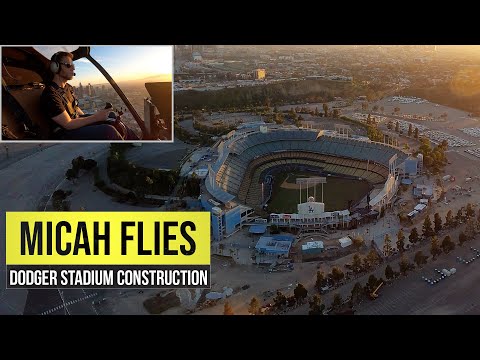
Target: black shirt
[{"x": 55, "y": 100}]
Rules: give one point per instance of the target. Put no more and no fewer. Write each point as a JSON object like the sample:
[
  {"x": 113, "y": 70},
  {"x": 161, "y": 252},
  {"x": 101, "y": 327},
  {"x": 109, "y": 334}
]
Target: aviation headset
[{"x": 55, "y": 64}]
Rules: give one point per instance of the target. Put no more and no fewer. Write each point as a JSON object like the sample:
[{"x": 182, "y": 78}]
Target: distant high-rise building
[
  {"x": 259, "y": 74},
  {"x": 197, "y": 48},
  {"x": 196, "y": 56},
  {"x": 90, "y": 90},
  {"x": 80, "y": 91}
]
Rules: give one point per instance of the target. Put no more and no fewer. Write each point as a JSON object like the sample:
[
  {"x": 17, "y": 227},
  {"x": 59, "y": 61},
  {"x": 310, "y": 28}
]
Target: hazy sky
[{"x": 123, "y": 63}]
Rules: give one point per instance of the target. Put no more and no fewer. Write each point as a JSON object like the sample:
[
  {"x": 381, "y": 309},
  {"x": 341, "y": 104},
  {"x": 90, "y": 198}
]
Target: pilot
[{"x": 58, "y": 101}]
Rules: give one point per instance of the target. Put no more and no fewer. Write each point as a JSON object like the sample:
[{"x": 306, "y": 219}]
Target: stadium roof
[
  {"x": 257, "y": 229},
  {"x": 269, "y": 245}
]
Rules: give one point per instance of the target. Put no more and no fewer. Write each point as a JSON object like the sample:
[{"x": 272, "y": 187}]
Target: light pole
[{"x": 262, "y": 194}]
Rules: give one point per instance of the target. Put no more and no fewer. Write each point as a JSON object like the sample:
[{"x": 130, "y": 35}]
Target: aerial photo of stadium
[{"x": 338, "y": 180}]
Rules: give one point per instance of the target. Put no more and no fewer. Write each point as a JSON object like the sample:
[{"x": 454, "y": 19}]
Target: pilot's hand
[{"x": 102, "y": 115}]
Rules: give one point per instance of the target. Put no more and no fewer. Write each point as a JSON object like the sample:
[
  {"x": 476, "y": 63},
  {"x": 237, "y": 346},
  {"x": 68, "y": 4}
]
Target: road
[{"x": 26, "y": 183}]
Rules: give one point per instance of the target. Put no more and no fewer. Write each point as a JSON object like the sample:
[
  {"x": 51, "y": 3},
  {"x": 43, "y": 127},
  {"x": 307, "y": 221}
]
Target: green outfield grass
[{"x": 336, "y": 193}]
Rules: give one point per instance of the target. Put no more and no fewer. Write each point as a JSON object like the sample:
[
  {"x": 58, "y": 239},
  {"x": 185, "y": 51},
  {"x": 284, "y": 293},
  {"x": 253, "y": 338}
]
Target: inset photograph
[{"x": 87, "y": 93}]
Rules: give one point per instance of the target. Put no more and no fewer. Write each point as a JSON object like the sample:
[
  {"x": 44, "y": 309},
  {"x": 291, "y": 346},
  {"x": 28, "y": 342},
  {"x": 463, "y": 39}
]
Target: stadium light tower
[
  {"x": 263, "y": 198},
  {"x": 311, "y": 181}
]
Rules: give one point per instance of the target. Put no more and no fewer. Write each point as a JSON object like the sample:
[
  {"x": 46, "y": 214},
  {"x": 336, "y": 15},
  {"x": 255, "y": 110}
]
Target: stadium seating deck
[{"x": 247, "y": 156}]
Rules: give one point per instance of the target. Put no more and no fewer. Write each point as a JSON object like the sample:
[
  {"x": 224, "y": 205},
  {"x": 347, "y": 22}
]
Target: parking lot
[{"x": 413, "y": 295}]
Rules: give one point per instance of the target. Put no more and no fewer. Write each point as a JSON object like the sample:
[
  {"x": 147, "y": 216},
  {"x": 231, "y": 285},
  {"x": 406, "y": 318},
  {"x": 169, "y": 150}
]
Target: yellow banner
[{"x": 108, "y": 238}]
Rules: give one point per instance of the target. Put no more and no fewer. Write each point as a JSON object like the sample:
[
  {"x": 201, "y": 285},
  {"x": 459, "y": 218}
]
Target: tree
[
  {"x": 435, "y": 248},
  {"x": 470, "y": 229},
  {"x": 227, "y": 309},
  {"x": 413, "y": 237},
  {"x": 389, "y": 274},
  {"x": 469, "y": 212},
  {"x": 382, "y": 211},
  {"x": 300, "y": 293},
  {"x": 356, "y": 263},
  {"x": 77, "y": 163},
  {"x": 253, "y": 306},
  {"x": 356, "y": 292},
  {"x": 372, "y": 257},
  {"x": 404, "y": 265},
  {"x": 325, "y": 109},
  {"x": 320, "y": 280},
  {"x": 447, "y": 244},
  {"x": 461, "y": 238},
  {"x": 415, "y": 134},
  {"x": 420, "y": 259},
  {"x": 337, "y": 301},
  {"x": 71, "y": 175},
  {"x": 400, "y": 241},
  {"x": 387, "y": 246},
  {"x": 358, "y": 242},
  {"x": 366, "y": 264},
  {"x": 372, "y": 282},
  {"x": 291, "y": 301},
  {"x": 449, "y": 221},
  {"x": 280, "y": 300},
  {"x": 336, "y": 274},
  {"x": 437, "y": 221},
  {"x": 427, "y": 228},
  {"x": 316, "y": 306},
  {"x": 278, "y": 118},
  {"x": 459, "y": 216},
  {"x": 410, "y": 129}
]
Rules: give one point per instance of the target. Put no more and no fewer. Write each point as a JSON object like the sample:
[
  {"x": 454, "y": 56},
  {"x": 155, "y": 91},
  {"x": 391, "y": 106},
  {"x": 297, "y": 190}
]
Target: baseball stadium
[{"x": 303, "y": 177}]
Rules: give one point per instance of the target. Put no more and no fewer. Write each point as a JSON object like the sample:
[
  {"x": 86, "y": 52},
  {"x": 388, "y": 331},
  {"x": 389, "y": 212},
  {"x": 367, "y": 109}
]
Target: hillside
[{"x": 276, "y": 94}]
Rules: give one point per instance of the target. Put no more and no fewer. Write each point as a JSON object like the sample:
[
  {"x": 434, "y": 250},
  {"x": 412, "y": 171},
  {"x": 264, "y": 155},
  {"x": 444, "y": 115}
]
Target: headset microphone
[{"x": 74, "y": 74}]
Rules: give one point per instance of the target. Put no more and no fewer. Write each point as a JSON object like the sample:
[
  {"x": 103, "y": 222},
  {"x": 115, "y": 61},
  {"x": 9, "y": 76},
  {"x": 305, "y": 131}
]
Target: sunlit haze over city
[{"x": 123, "y": 63}]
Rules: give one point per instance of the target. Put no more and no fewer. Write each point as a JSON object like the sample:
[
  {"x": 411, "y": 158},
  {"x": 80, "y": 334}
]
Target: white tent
[{"x": 345, "y": 241}]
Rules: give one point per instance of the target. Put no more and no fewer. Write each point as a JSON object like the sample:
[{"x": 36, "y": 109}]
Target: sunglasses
[{"x": 67, "y": 64}]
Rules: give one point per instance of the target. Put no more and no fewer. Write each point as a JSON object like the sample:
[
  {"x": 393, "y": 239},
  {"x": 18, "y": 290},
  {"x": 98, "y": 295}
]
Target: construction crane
[{"x": 373, "y": 294}]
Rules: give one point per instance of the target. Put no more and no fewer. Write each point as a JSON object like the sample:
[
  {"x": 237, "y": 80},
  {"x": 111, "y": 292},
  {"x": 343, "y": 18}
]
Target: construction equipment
[{"x": 373, "y": 294}]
